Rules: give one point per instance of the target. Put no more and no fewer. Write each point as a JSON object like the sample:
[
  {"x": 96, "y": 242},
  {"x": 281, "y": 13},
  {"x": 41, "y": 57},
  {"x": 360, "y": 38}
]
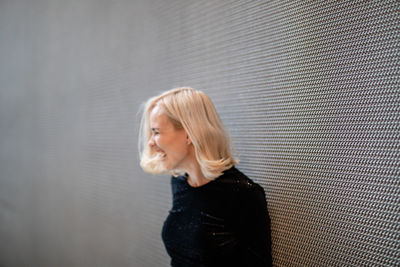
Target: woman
[{"x": 219, "y": 216}]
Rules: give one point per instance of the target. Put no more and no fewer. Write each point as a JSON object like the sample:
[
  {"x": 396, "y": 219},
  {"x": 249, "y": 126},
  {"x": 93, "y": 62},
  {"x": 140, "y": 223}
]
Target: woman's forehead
[{"x": 158, "y": 119}]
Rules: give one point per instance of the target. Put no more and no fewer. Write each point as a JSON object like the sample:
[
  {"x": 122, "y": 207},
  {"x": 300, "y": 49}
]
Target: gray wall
[{"x": 309, "y": 91}]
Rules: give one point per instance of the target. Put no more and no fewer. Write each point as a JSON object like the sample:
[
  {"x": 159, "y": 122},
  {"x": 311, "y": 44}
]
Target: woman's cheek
[{"x": 158, "y": 141}]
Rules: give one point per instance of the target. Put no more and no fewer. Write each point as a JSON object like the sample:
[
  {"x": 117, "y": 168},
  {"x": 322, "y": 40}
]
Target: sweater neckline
[
  {"x": 207, "y": 184},
  {"x": 198, "y": 187},
  {"x": 185, "y": 178}
]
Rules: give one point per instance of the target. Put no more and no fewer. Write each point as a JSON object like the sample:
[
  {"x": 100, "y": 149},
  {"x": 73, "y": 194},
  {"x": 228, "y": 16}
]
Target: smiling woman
[{"x": 219, "y": 216}]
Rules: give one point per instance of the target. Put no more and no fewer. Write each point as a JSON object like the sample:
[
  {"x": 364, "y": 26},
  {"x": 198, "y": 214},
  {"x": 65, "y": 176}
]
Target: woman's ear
[{"x": 188, "y": 141}]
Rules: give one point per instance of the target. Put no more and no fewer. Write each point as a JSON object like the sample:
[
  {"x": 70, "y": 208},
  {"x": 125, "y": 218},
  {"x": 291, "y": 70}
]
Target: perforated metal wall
[{"x": 309, "y": 91}]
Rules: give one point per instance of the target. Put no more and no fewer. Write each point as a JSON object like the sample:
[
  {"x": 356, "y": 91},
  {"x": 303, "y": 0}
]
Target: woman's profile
[{"x": 219, "y": 216}]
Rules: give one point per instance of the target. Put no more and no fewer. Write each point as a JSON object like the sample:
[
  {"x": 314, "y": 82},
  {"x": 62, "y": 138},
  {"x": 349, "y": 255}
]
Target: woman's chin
[{"x": 165, "y": 165}]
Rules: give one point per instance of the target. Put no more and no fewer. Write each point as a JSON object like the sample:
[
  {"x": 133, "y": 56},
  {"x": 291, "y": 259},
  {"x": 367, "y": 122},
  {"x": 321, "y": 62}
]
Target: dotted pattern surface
[{"x": 310, "y": 94}]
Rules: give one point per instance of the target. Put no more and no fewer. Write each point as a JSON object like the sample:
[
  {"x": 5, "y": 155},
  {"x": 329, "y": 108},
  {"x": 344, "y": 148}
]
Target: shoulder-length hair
[{"x": 193, "y": 111}]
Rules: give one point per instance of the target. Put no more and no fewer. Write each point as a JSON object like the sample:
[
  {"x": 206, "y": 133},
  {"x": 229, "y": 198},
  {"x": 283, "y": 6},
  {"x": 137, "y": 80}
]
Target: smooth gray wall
[{"x": 309, "y": 91}]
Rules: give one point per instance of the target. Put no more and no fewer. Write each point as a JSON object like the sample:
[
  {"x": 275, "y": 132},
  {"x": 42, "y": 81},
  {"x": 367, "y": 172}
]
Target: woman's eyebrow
[{"x": 155, "y": 129}]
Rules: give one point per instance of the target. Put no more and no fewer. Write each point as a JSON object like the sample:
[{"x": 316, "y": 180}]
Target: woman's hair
[{"x": 193, "y": 111}]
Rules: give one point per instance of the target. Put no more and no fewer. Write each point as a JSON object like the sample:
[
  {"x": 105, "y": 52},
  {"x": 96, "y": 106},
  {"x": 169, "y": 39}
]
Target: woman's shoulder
[
  {"x": 238, "y": 180},
  {"x": 247, "y": 192}
]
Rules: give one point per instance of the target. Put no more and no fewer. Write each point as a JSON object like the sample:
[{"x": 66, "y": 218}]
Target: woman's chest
[{"x": 201, "y": 227}]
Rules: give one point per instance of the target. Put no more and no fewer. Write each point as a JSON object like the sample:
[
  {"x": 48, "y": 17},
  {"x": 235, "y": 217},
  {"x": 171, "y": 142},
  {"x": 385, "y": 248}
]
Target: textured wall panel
[{"x": 309, "y": 91}]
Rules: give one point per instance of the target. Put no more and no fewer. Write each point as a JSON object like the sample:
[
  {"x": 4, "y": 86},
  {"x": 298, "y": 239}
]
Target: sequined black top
[{"x": 222, "y": 223}]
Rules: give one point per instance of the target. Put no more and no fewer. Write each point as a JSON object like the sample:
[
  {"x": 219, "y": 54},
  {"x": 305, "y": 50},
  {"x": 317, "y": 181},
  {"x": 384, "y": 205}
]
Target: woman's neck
[{"x": 196, "y": 177}]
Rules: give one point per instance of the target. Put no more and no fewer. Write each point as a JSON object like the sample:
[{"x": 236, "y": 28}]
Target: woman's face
[{"x": 170, "y": 142}]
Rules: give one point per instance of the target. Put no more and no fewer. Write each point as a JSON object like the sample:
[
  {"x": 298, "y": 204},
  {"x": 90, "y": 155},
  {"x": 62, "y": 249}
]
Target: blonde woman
[{"x": 219, "y": 216}]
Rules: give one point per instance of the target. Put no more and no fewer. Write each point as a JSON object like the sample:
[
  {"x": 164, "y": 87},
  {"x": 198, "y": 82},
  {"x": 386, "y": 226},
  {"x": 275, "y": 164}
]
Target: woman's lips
[{"x": 161, "y": 152}]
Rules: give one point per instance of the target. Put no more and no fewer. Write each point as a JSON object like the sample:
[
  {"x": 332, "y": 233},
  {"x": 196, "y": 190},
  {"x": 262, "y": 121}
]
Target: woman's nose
[{"x": 151, "y": 142}]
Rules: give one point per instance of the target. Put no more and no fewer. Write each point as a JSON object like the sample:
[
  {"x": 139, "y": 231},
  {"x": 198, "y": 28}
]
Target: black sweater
[{"x": 222, "y": 223}]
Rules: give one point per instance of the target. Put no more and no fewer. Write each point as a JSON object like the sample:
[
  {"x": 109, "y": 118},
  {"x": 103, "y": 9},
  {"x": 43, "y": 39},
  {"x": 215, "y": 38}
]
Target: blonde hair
[{"x": 193, "y": 111}]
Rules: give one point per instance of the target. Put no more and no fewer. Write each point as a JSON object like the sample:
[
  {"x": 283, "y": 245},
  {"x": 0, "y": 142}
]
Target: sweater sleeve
[{"x": 254, "y": 228}]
